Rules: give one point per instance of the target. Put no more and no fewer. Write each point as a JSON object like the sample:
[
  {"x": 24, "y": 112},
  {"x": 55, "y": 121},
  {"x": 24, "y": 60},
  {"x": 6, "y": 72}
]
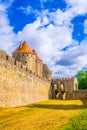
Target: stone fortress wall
[
  {"x": 79, "y": 94},
  {"x": 24, "y": 79},
  {"x": 19, "y": 85},
  {"x": 67, "y": 88}
]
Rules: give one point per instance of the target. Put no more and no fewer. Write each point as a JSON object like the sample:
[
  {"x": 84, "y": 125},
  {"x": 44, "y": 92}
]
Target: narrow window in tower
[
  {"x": 25, "y": 61},
  {"x": 26, "y": 68},
  {"x": 7, "y": 57},
  {"x": 21, "y": 66},
  {"x": 15, "y": 62}
]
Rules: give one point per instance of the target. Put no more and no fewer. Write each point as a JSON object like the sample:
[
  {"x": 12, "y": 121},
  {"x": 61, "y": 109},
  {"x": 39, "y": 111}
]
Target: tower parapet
[
  {"x": 38, "y": 63},
  {"x": 46, "y": 72}
]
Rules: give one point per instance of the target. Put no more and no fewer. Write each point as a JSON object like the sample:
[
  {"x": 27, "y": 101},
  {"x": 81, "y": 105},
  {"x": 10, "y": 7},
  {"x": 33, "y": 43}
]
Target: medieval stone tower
[
  {"x": 25, "y": 55},
  {"x": 38, "y": 64},
  {"x": 31, "y": 59}
]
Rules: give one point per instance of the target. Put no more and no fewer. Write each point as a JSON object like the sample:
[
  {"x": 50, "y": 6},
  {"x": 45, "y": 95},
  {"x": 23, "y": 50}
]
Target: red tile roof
[
  {"x": 24, "y": 47},
  {"x": 37, "y": 57}
]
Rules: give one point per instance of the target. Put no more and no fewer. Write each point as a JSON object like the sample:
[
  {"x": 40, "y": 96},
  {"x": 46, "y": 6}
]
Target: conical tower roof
[
  {"x": 24, "y": 47},
  {"x": 37, "y": 57},
  {"x": 45, "y": 67}
]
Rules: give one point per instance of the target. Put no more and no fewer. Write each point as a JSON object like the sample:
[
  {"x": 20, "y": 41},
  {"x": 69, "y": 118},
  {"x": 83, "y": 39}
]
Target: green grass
[
  {"x": 47, "y": 115},
  {"x": 78, "y": 122}
]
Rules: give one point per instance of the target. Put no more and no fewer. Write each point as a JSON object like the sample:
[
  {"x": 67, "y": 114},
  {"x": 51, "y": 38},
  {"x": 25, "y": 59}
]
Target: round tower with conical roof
[
  {"x": 26, "y": 56},
  {"x": 39, "y": 65}
]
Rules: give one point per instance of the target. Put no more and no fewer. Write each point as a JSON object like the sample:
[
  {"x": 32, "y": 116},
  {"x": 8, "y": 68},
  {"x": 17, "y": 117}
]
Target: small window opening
[
  {"x": 7, "y": 57},
  {"x": 25, "y": 61},
  {"x": 21, "y": 66},
  {"x": 26, "y": 68},
  {"x": 15, "y": 62}
]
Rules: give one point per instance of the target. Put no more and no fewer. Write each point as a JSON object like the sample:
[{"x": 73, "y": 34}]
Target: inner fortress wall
[
  {"x": 69, "y": 84},
  {"x": 18, "y": 85},
  {"x": 80, "y": 94},
  {"x": 67, "y": 88}
]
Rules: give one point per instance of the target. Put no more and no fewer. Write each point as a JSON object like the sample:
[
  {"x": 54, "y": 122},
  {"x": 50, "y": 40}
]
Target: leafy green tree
[{"x": 82, "y": 79}]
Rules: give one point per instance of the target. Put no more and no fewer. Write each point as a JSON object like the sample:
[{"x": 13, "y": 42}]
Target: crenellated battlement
[
  {"x": 31, "y": 60},
  {"x": 66, "y": 79},
  {"x": 17, "y": 65},
  {"x": 61, "y": 86},
  {"x": 19, "y": 85},
  {"x": 3, "y": 54}
]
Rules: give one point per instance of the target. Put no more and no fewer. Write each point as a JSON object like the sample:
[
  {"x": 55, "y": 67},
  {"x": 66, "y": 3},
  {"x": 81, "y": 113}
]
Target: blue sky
[{"x": 57, "y": 29}]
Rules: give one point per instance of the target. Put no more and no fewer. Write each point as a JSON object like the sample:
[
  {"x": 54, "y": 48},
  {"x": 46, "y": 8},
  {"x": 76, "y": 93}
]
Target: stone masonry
[
  {"x": 19, "y": 85},
  {"x": 67, "y": 88},
  {"x": 31, "y": 60},
  {"x": 24, "y": 79}
]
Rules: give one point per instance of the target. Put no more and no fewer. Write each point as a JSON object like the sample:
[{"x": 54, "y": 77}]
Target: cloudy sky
[{"x": 57, "y": 29}]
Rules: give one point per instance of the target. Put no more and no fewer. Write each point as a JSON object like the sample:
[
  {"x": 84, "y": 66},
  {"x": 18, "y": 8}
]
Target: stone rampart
[
  {"x": 18, "y": 85},
  {"x": 67, "y": 88},
  {"x": 80, "y": 94}
]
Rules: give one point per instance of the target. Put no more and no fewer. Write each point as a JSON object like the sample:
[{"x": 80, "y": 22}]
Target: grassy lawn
[
  {"x": 77, "y": 122},
  {"x": 47, "y": 115}
]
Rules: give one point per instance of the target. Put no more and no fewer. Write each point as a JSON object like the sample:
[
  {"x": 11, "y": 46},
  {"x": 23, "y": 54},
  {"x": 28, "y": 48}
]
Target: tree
[{"x": 82, "y": 79}]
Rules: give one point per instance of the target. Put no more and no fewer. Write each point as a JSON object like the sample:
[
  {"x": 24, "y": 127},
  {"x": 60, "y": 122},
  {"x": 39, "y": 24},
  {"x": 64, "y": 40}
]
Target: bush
[{"x": 78, "y": 122}]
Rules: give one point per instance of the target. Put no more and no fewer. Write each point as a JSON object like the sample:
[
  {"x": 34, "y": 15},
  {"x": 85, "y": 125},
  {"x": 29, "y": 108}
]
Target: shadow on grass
[
  {"x": 61, "y": 107},
  {"x": 84, "y": 101}
]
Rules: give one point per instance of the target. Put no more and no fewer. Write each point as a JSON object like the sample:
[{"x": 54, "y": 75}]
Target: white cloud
[
  {"x": 71, "y": 61},
  {"x": 43, "y": 1},
  {"x": 49, "y": 40},
  {"x": 28, "y": 10},
  {"x": 6, "y": 31},
  {"x": 6, "y": 3},
  {"x": 78, "y": 7}
]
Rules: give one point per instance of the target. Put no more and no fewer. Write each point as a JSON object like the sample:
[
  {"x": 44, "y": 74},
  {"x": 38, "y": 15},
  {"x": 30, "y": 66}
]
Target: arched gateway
[{"x": 59, "y": 87}]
